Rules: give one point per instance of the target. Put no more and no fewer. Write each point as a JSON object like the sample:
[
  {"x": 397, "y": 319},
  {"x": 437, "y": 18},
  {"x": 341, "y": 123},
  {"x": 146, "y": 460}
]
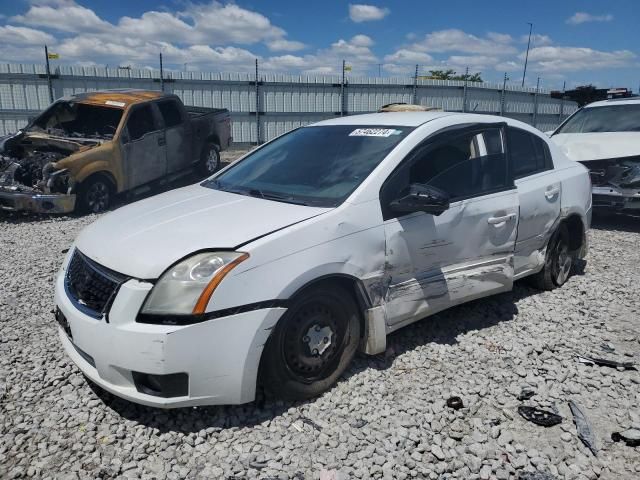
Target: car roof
[
  {"x": 399, "y": 119},
  {"x": 117, "y": 97},
  {"x": 614, "y": 101}
]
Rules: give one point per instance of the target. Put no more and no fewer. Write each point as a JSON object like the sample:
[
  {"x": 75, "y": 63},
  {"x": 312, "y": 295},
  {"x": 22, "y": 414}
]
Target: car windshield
[
  {"x": 613, "y": 118},
  {"x": 317, "y": 166},
  {"x": 72, "y": 119}
]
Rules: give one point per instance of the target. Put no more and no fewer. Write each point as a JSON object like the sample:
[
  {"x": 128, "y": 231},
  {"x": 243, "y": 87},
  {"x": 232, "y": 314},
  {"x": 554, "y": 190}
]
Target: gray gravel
[{"x": 386, "y": 418}]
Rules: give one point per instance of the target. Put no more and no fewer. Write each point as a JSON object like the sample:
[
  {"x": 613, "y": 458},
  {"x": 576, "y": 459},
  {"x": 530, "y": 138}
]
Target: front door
[
  {"x": 539, "y": 190},
  {"x": 144, "y": 147},
  {"x": 434, "y": 262}
]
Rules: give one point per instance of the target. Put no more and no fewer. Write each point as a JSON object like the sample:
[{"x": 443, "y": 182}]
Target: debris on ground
[
  {"x": 631, "y": 437},
  {"x": 526, "y": 393},
  {"x": 455, "y": 402},
  {"x": 583, "y": 426},
  {"x": 538, "y": 416},
  {"x": 603, "y": 362}
]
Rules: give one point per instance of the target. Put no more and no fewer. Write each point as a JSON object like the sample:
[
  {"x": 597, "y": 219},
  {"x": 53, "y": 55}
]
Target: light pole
[{"x": 526, "y": 58}]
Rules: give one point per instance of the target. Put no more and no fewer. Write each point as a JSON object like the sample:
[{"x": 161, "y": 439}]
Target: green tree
[{"x": 451, "y": 74}]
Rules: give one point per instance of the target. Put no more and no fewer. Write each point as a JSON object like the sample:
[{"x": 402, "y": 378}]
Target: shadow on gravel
[
  {"x": 616, "y": 222},
  {"x": 443, "y": 328}
]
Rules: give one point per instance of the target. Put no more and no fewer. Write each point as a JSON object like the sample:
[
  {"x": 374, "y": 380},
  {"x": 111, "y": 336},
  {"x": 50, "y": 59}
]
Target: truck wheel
[
  {"x": 209, "y": 160},
  {"x": 312, "y": 344},
  {"x": 559, "y": 262},
  {"x": 94, "y": 195}
]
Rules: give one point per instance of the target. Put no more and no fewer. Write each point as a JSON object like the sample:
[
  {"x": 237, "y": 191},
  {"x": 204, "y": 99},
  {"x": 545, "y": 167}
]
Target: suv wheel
[
  {"x": 209, "y": 160},
  {"x": 94, "y": 195}
]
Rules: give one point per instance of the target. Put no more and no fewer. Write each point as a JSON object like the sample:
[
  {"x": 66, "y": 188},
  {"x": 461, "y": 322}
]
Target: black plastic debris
[
  {"x": 630, "y": 437},
  {"x": 455, "y": 403},
  {"x": 526, "y": 394},
  {"x": 538, "y": 416},
  {"x": 311, "y": 423},
  {"x": 607, "y": 348},
  {"x": 603, "y": 362},
  {"x": 583, "y": 427},
  {"x": 359, "y": 423},
  {"x": 536, "y": 476}
]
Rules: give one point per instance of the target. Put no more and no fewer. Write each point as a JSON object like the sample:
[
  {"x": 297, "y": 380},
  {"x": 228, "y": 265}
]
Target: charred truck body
[
  {"x": 605, "y": 138},
  {"x": 84, "y": 149}
]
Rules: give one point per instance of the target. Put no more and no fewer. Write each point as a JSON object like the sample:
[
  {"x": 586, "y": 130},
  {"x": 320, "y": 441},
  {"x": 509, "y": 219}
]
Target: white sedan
[{"x": 321, "y": 242}]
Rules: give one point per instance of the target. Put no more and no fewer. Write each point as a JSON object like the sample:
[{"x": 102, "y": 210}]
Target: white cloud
[
  {"x": 582, "y": 17},
  {"x": 537, "y": 39},
  {"x": 454, "y": 40},
  {"x": 23, "y": 35},
  {"x": 553, "y": 59},
  {"x": 284, "y": 45},
  {"x": 362, "y": 40},
  {"x": 406, "y": 56},
  {"x": 366, "y": 13},
  {"x": 63, "y": 16}
]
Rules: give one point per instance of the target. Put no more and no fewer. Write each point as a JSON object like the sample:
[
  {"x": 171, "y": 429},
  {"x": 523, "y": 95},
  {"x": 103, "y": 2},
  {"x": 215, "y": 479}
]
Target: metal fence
[{"x": 266, "y": 105}]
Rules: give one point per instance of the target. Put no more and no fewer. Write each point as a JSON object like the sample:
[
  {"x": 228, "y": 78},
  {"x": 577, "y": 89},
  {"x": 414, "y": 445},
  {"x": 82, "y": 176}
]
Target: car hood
[
  {"x": 143, "y": 239},
  {"x": 597, "y": 146}
]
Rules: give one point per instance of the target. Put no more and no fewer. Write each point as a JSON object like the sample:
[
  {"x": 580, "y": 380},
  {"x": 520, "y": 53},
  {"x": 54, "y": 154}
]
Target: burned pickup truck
[
  {"x": 84, "y": 149},
  {"x": 605, "y": 137}
]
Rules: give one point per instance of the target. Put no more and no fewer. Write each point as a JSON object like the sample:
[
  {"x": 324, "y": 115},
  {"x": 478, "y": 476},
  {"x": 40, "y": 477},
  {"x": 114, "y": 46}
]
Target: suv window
[
  {"x": 610, "y": 118},
  {"x": 140, "y": 122},
  {"x": 463, "y": 165},
  {"x": 170, "y": 113},
  {"x": 528, "y": 153}
]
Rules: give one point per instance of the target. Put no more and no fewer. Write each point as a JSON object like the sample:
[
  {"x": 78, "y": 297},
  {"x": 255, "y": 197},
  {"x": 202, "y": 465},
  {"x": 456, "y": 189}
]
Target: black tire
[
  {"x": 559, "y": 261},
  {"x": 209, "y": 160},
  {"x": 298, "y": 361},
  {"x": 94, "y": 195}
]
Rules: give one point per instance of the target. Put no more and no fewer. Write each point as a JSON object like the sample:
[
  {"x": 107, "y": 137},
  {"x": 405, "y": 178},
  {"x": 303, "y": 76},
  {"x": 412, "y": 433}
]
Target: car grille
[{"x": 91, "y": 286}]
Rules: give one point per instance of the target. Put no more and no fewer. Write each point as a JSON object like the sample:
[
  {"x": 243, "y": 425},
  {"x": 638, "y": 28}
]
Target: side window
[
  {"x": 140, "y": 122},
  {"x": 463, "y": 165},
  {"x": 170, "y": 113},
  {"x": 528, "y": 153}
]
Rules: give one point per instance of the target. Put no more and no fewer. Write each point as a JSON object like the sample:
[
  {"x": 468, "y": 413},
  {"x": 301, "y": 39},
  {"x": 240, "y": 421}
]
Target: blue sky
[{"x": 574, "y": 41}]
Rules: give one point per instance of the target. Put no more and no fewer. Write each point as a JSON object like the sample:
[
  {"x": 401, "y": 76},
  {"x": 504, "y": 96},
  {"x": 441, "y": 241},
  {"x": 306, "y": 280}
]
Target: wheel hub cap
[{"x": 318, "y": 339}]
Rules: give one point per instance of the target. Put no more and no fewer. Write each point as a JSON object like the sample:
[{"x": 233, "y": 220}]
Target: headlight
[{"x": 187, "y": 286}]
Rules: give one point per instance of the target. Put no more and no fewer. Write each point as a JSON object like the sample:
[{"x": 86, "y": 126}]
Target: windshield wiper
[{"x": 254, "y": 192}]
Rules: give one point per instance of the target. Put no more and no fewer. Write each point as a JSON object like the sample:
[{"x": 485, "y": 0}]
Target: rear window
[
  {"x": 612, "y": 118},
  {"x": 529, "y": 154},
  {"x": 170, "y": 113}
]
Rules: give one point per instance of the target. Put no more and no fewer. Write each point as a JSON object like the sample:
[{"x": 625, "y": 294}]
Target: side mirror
[{"x": 421, "y": 198}]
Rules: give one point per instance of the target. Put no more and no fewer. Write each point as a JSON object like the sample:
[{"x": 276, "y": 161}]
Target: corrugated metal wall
[{"x": 284, "y": 101}]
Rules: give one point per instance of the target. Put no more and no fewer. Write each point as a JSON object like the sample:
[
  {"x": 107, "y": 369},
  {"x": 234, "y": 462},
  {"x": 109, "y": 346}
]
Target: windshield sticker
[
  {"x": 114, "y": 104},
  {"x": 374, "y": 132}
]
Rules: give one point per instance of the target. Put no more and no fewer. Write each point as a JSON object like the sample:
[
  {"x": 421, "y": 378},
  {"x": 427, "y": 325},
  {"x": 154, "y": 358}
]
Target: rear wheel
[
  {"x": 559, "y": 261},
  {"x": 209, "y": 160},
  {"x": 94, "y": 195},
  {"x": 312, "y": 344}
]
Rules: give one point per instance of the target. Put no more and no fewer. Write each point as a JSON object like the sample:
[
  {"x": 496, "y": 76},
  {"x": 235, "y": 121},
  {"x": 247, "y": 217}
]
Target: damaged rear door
[
  {"x": 433, "y": 262},
  {"x": 144, "y": 147}
]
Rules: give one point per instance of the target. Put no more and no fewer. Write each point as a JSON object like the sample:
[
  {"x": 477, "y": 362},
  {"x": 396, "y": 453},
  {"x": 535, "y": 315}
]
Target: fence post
[
  {"x": 503, "y": 94},
  {"x": 464, "y": 90},
  {"x": 415, "y": 86},
  {"x": 535, "y": 104},
  {"x": 342, "y": 91},
  {"x": 257, "y": 107},
  {"x": 46, "y": 56},
  {"x": 161, "y": 74},
  {"x": 560, "y": 115}
]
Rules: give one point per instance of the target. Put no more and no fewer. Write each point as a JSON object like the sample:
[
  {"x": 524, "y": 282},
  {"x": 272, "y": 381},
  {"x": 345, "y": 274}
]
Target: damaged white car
[
  {"x": 276, "y": 270},
  {"x": 605, "y": 137}
]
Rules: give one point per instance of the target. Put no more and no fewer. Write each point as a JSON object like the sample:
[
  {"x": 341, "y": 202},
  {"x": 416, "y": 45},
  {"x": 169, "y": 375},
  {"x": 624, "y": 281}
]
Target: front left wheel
[
  {"x": 94, "y": 195},
  {"x": 312, "y": 344}
]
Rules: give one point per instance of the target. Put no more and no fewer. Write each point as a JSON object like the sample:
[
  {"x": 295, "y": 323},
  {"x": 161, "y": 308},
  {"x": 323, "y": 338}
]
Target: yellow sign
[
  {"x": 347, "y": 68},
  {"x": 53, "y": 56}
]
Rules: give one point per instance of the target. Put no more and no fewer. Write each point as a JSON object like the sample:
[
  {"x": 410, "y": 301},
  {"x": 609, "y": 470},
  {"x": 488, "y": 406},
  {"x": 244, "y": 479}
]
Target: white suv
[{"x": 322, "y": 241}]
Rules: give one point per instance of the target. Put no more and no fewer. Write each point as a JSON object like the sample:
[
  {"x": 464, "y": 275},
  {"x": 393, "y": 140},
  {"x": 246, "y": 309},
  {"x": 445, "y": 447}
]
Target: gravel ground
[{"x": 386, "y": 418}]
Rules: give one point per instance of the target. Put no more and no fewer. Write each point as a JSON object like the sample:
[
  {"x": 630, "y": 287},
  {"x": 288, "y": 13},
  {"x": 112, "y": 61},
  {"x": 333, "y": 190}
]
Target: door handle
[
  {"x": 500, "y": 220},
  {"x": 162, "y": 141},
  {"x": 551, "y": 192}
]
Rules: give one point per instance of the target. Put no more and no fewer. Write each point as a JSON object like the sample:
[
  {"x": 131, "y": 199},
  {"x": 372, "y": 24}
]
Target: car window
[
  {"x": 140, "y": 122},
  {"x": 318, "y": 166},
  {"x": 465, "y": 165},
  {"x": 611, "y": 118},
  {"x": 170, "y": 113},
  {"x": 528, "y": 153}
]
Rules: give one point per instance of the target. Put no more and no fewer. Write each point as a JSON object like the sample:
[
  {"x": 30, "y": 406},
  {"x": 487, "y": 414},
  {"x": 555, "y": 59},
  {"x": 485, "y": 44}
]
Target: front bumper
[
  {"x": 220, "y": 356},
  {"x": 15, "y": 201},
  {"x": 615, "y": 198}
]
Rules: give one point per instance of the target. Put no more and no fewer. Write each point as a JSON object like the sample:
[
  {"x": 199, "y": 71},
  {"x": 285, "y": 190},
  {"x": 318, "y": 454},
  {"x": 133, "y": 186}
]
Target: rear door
[
  {"x": 539, "y": 190},
  {"x": 144, "y": 147},
  {"x": 177, "y": 135},
  {"x": 434, "y": 262}
]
